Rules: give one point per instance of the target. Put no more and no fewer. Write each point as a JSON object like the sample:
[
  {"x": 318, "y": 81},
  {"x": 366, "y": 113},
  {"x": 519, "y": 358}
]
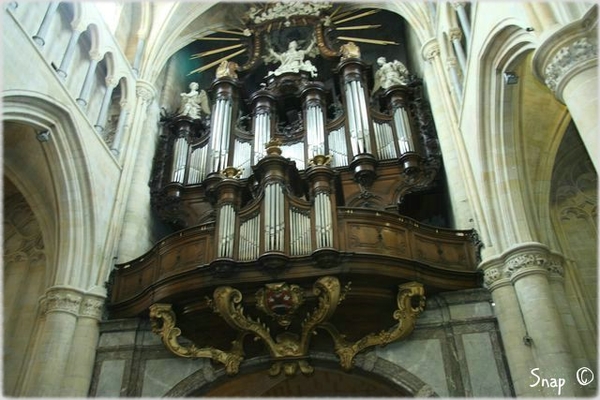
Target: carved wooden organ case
[{"x": 284, "y": 201}]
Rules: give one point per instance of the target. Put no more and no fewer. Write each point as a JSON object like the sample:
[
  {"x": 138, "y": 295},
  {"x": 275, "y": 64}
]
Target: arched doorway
[{"x": 371, "y": 377}]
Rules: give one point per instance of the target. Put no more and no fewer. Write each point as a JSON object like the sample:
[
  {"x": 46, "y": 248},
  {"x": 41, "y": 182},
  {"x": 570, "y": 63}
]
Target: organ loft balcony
[{"x": 302, "y": 187}]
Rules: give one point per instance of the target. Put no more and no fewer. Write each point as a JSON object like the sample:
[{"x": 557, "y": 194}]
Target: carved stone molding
[
  {"x": 568, "y": 58},
  {"x": 455, "y": 34},
  {"x": 430, "y": 50},
  {"x": 92, "y": 307},
  {"x": 63, "y": 300},
  {"x": 520, "y": 261},
  {"x": 145, "y": 91},
  {"x": 567, "y": 52}
]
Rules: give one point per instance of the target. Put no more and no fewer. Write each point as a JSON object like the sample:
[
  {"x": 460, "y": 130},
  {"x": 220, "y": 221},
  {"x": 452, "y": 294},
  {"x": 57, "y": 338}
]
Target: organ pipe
[
  {"x": 226, "y": 233},
  {"x": 401, "y": 122},
  {"x": 180, "y": 151}
]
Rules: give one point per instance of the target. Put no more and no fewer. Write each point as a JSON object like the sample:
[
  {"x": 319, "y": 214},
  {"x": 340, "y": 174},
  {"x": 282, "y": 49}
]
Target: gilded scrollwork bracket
[
  {"x": 163, "y": 322},
  {"x": 289, "y": 350},
  {"x": 410, "y": 301}
]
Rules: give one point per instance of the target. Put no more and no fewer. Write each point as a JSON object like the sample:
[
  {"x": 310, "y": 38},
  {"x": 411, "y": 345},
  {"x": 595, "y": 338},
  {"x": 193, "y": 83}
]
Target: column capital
[
  {"x": 519, "y": 261},
  {"x": 430, "y": 49},
  {"x": 458, "y": 4},
  {"x": 92, "y": 306},
  {"x": 95, "y": 56},
  {"x": 455, "y": 34},
  {"x": 567, "y": 52},
  {"x": 111, "y": 81},
  {"x": 145, "y": 90},
  {"x": 62, "y": 299}
]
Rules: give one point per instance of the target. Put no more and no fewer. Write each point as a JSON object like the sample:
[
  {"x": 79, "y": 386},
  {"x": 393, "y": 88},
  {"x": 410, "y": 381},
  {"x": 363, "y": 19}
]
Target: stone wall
[{"x": 455, "y": 350}]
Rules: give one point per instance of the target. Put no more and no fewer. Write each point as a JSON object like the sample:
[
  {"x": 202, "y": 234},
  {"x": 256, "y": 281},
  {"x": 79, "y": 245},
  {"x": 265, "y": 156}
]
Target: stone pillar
[
  {"x": 134, "y": 238},
  {"x": 63, "y": 69},
  {"x": 86, "y": 88},
  {"x": 530, "y": 319},
  {"x": 567, "y": 63},
  {"x": 456, "y": 81},
  {"x": 80, "y": 365},
  {"x": 40, "y": 37},
  {"x": 512, "y": 327},
  {"x": 455, "y": 37},
  {"x": 62, "y": 307},
  {"x": 528, "y": 268},
  {"x": 103, "y": 114},
  {"x": 116, "y": 144},
  {"x": 137, "y": 59},
  {"x": 463, "y": 18}
]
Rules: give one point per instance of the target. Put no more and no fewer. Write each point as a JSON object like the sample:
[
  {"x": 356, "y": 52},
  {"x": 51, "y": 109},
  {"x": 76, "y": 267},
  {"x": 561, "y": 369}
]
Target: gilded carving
[
  {"x": 410, "y": 301},
  {"x": 163, "y": 322},
  {"x": 280, "y": 301},
  {"x": 289, "y": 350}
]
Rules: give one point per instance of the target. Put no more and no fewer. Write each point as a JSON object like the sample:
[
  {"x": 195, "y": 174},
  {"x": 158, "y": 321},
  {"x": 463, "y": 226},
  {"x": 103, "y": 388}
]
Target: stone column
[
  {"x": 137, "y": 59},
  {"x": 40, "y": 37},
  {"x": 116, "y": 144},
  {"x": 80, "y": 365},
  {"x": 455, "y": 37},
  {"x": 456, "y": 82},
  {"x": 62, "y": 307},
  {"x": 463, "y": 18},
  {"x": 512, "y": 327},
  {"x": 86, "y": 88},
  {"x": 527, "y": 267},
  {"x": 134, "y": 240},
  {"x": 102, "y": 115},
  {"x": 557, "y": 284},
  {"x": 63, "y": 69},
  {"x": 567, "y": 63}
]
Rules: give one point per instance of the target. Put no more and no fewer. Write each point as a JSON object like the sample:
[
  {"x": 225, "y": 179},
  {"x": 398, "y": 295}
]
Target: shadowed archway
[{"x": 371, "y": 377}]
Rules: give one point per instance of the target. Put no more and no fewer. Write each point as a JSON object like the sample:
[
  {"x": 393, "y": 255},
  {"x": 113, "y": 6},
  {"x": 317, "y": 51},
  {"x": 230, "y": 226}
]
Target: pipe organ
[{"x": 293, "y": 175}]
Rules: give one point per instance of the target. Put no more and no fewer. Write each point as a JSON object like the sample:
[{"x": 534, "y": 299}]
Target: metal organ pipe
[
  {"x": 217, "y": 121},
  {"x": 180, "y": 150},
  {"x": 323, "y": 223},
  {"x": 224, "y": 147},
  {"x": 401, "y": 122},
  {"x": 226, "y": 231},
  {"x": 351, "y": 119}
]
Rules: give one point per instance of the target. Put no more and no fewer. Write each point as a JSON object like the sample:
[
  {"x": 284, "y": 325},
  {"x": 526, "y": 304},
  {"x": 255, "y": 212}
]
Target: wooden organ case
[{"x": 286, "y": 201}]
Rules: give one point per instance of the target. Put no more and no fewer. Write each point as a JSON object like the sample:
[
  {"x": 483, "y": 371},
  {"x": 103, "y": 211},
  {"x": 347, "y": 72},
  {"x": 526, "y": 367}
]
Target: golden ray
[
  {"x": 365, "y": 40},
  {"x": 212, "y": 64},
  {"x": 356, "y": 16},
  {"x": 219, "y": 50},
  {"x": 342, "y": 15},
  {"x": 219, "y": 38},
  {"x": 357, "y": 27},
  {"x": 240, "y": 33},
  {"x": 335, "y": 11}
]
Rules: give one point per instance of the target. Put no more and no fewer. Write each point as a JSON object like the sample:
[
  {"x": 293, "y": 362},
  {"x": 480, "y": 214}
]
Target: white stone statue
[
  {"x": 292, "y": 60},
  {"x": 194, "y": 102},
  {"x": 390, "y": 73}
]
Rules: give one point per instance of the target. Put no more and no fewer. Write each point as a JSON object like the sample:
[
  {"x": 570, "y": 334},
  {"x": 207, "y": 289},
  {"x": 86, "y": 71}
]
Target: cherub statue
[
  {"x": 194, "y": 102},
  {"x": 390, "y": 73},
  {"x": 292, "y": 60}
]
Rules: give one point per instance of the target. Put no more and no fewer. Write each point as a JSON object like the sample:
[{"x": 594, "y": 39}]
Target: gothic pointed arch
[{"x": 48, "y": 166}]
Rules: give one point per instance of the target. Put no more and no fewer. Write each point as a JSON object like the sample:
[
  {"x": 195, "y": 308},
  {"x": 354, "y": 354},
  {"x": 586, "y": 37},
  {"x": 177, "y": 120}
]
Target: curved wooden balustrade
[{"x": 382, "y": 246}]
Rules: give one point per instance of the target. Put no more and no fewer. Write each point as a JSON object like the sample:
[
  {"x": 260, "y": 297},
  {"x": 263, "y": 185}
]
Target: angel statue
[
  {"x": 390, "y": 73},
  {"x": 194, "y": 102},
  {"x": 292, "y": 60}
]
